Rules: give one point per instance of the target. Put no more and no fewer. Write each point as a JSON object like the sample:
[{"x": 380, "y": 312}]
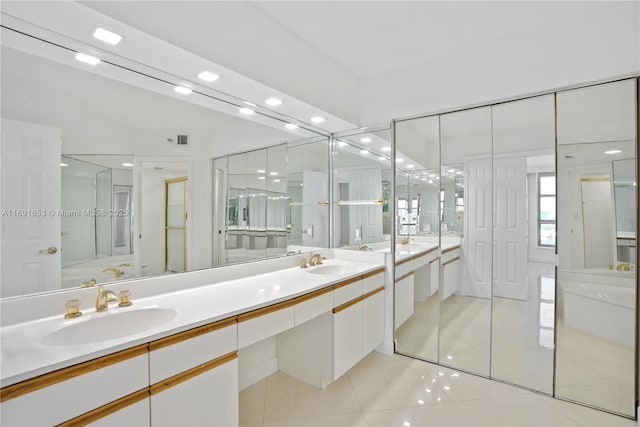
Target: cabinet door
[
  {"x": 347, "y": 339},
  {"x": 208, "y": 399},
  {"x": 373, "y": 322},
  {"x": 404, "y": 300},
  {"x": 132, "y": 415},
  {"x": 451, "y": 278}
]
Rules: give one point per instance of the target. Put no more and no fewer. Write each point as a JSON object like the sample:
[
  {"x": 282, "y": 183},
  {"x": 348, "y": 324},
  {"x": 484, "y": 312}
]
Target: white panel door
[
  {"x": 365, "y": 184},
  {"x": 478, "y": 235},
  {"x": 510, "y": 228},
  {"x": 315, "y": 217},
  {"x": 30, "y": 203}
]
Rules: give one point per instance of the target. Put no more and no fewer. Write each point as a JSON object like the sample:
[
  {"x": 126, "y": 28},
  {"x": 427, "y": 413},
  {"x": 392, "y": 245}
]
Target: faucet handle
[
  {"x": 303, "y": 263},
  {"x": 124, "y": 299},
  {"x": 73, "y": 309}
]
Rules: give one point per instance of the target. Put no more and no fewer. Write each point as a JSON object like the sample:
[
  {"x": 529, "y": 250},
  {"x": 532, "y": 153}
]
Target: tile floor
[{"x": 399, "y": 391}]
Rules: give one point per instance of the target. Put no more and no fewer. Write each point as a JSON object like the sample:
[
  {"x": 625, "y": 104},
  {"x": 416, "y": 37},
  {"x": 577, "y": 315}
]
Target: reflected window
[
  {"x": 547, "y": 210},
  {"x": 547, "y": 311}
]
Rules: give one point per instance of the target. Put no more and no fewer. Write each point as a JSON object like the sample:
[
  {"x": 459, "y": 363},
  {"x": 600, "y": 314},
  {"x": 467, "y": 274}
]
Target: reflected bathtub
[{"x": 600, "y": 302}]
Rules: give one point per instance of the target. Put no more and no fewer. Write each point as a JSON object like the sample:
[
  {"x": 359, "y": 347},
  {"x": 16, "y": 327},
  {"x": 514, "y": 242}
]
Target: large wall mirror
[
  {"x": 361, "y": 181},
  {"x": 488, "y": 182},
  {"x": 118, "y": 167}
]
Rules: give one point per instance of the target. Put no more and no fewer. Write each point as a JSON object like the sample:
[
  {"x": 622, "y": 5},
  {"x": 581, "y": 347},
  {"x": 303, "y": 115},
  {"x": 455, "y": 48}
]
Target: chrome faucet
[
  {"x": 117, "y": 273},
  {"x": 316, "y": 259},
  {"x": 104, "y": 298}
]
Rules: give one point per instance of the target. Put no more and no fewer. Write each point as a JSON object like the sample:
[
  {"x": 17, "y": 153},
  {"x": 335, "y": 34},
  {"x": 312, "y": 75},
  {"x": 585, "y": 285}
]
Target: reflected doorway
[{"x": 175, "y": 229}]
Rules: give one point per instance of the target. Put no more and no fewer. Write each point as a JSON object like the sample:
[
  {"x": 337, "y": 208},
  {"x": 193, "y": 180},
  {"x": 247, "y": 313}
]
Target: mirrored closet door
[{"x": 530, "y": 208}]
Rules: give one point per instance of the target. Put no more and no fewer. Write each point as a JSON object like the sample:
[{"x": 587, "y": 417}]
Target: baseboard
[
  {"x": 256, "y": 373},
  {"x": 385, "y": 348}
]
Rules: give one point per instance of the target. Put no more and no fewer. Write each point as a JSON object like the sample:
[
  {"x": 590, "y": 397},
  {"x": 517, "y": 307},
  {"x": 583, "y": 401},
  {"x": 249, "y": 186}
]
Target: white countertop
[
  {"x": 23, "y": 355},
  {"x": 412, "y": 249}
]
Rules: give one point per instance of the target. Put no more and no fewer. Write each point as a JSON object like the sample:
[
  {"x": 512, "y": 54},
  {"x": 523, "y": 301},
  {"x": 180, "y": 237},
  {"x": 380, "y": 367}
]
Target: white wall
[{"x": 591, "y": 46}]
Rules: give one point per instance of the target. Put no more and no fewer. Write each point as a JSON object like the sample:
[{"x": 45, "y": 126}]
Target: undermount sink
[
  {"x": 329, "y": 269},
  {"x": 108, "y": 326}
]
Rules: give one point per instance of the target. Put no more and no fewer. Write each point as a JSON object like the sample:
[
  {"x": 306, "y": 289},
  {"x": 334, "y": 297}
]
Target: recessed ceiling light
[
  {"x": 342, "y": 144},
  {"x": 127, "y": 164},
  {"x": 276, "y": 180},
  {"x": 364, "y": 151},
  {"x": 182, "y": 90},
  {"x": 249, "y": 103},
  {"x": 399, "y": 160},
  {"x": 612, "y": 152},
  {"x": 411, "y": 166},
  {"x": 261, "y": 171},
  {"x": 246, "y": 111},
  {"x": 208, "y": 76},
  {"x": 291, "y": 126},
  {"x": 386, "y": 148},
  {"x": 382, "y": 158},
  {"x": 274, "y": 173},
  {"x": 274, "y": 102},
  {"x": 317, "y": 119},
  {"x": 63, "y": 164},
  {"x": 365, "y": 140},
  {"x": 261, "y": 177},
  {"x": 87, "y": 59},
  {"x": 107, "y": 36}
]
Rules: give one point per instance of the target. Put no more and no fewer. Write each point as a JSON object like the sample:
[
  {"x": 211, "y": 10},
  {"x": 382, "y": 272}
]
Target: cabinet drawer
[
  {"x": 131, "y": 416},
  {"x": 264, "y": 326},
  {"x": 313, "y": 307},
  {"x": 67, "y": 399},
  {"x": 372, "y": 282},
  {"x": 208, "y": 399},
  {"x": 420, "y": 262},
  {"x": 346, "y": 291},
  {"x": 404, "y": 268},
  {"x": 183, "y": 351}
]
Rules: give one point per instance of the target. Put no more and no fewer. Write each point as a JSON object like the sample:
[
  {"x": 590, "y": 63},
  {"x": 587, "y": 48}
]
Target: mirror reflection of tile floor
[{"x": 399, "y": 391}]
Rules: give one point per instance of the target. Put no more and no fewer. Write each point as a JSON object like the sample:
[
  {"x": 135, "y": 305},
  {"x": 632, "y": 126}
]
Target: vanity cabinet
[
  {"x": 208, "y": 398},
  {"x": 451, "y": 273},
  {"x": 372, "y": 322},
  {"x": 405, "y": 297},
  {"x": 264, "y": 322},
  {"x": 136, "y": 414},
  {"x": 194, "y": 376},
  {"x": 81, "y": 393},
  {"x": 347, "y": 337},
  {"x": 358, "y": 324}
]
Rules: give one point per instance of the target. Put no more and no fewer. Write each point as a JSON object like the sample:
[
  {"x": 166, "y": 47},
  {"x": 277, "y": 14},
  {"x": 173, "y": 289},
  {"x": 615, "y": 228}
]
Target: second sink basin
[
  {"x": 108, "y": 326},
  {"x": 329, "y": 269}
]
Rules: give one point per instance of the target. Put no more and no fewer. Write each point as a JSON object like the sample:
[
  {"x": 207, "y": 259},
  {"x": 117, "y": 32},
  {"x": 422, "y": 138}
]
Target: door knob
[{"x": 50, "y": 250}]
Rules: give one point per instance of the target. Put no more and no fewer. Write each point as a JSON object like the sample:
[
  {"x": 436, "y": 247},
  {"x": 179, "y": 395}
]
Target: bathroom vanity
[{"x": 172, "y": 358}]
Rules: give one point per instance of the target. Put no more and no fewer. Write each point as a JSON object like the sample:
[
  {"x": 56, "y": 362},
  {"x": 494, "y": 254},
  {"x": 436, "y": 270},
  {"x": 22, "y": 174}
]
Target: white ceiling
[
  {"x": 369, "y": 60},
  {"x": 370, "y": 38},
  {"x": 366, "y": 62}
]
